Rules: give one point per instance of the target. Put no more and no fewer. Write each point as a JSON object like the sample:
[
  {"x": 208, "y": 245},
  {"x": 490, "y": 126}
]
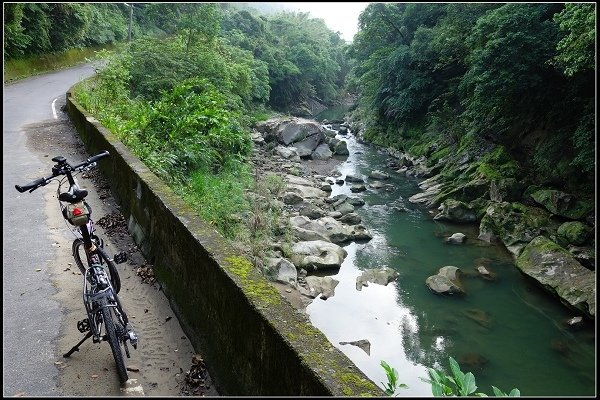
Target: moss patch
[{"x": 254, "y": 285}]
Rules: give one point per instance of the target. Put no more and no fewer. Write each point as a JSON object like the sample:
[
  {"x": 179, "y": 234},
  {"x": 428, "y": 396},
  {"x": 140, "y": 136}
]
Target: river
[{"x": 508, "y": 332}]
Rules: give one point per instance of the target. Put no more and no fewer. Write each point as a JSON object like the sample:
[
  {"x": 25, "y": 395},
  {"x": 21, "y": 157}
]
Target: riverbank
[
  {"x": 513, "y": 224},
  {"x": 408, "y": 326}
]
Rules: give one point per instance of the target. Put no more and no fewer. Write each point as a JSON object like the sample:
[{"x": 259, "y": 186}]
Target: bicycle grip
[
  {"x": 30, "y": 185},
  {"x": 98, "y": 157}
]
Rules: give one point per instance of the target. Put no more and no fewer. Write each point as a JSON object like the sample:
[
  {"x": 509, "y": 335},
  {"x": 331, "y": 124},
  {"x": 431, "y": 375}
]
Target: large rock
[
  {"x": 323, "y": 285},
  {"x": 288, "y": 153},
  {"x": 296, "y": 130},
  {"x": 322, "y": 152},
  {"x": 561, "y": 203},
  {"x": 285, "y": 271},
  {"x": 327, "y": 228},
  {"x": 515, "y": 224},
  {"x": 446, "y": 281},
  {"x": 379, "y": 175},
  {"x": 574, "y": 232},
  {"x": 441, "y": 285},
  {"x": 559, "y": 273},
  {"x": 306, "y": 192},
  {"x": 317, "y": 255},
  {"x": 380, "y": 276},
  {"x": 455, "y": 211}
]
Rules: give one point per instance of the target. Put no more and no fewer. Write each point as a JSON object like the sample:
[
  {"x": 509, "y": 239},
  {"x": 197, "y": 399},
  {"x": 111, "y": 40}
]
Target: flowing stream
[{"x": 508, "y": 332}]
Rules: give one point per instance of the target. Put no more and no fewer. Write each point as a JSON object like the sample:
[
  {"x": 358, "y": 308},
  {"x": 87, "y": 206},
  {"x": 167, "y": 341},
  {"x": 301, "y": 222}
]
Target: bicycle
[{"x": 106, "y": 319}]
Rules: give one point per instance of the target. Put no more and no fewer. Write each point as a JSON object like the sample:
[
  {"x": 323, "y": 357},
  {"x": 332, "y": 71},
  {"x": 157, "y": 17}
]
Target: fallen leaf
[
  {"x": 133, "y": 368},
  {"x": 94, "y": 376},
  {"x": 168, "y": 319},
  {"x": 20, "y": 394},
  {"x": 38, "y": 269}
]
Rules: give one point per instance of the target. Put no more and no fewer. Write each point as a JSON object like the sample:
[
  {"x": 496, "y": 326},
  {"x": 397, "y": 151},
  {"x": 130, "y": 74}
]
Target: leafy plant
[
  {"x": 459, "y": 383},
  {"x": 392, "y": 384}
]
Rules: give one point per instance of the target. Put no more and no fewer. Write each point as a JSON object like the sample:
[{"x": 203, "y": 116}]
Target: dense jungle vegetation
[
  {"x": 511, "y": 80},
  {"x": 510, "y": 86}
]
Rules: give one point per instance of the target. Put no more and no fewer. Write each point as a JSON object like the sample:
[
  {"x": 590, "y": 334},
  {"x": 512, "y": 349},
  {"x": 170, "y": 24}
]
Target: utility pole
[{"x": 130, "y": 20}]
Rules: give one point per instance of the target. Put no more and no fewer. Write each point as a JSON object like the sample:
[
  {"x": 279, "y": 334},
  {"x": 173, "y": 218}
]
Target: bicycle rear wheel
[
  {"x": 79, "y": 255},
  {"x": 114, "y": 339}
]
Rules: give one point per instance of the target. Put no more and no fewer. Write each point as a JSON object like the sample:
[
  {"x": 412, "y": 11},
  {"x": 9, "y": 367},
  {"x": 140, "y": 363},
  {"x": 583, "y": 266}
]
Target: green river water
[{"x": 511, "y": 328}]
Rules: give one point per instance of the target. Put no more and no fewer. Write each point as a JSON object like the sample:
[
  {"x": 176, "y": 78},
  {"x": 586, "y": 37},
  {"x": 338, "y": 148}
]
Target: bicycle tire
[
  {"x": 114, "y": 341},
  {"x": 113, "y": 273}
]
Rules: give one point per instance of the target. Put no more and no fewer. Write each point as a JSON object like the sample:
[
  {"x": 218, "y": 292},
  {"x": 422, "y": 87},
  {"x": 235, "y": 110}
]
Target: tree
[{"x": 576, "y": 50}]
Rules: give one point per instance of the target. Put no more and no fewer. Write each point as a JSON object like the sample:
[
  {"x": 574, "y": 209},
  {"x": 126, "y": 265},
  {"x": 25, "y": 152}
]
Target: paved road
[{"x": 31, "y": 318}]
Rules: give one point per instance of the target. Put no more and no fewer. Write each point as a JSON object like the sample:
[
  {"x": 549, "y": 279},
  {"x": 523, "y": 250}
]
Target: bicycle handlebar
[
  {"x": 93, "y": 159},
  {"x": 35, "y": 184},
  {"x": 31, "y": 186}
]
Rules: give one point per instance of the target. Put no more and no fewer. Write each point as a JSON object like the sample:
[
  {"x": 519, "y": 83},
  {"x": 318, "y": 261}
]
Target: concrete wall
[{"x": 254, "y": 342}]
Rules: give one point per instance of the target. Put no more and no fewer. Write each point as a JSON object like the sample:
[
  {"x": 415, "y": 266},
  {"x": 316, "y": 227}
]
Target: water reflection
[{"x": 507, "y": 331}]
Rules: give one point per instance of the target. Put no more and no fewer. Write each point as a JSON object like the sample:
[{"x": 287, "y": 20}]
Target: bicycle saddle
[{"x": 73, "y": 195}]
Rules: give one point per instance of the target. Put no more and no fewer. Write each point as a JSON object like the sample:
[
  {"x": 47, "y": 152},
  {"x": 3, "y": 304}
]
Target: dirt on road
[{"x": 165, "y": 363}]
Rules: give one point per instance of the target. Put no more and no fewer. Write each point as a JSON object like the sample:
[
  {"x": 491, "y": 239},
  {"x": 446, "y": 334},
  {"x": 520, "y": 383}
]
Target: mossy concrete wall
[{"x": 254, "y": 342}]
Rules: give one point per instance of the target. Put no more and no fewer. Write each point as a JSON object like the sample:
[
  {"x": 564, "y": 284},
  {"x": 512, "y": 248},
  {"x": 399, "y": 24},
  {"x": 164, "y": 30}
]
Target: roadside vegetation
[{"x": 184, "y": 93}]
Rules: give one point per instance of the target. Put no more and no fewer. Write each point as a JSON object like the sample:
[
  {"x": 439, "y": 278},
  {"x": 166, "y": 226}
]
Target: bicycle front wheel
[
  {"x": 79, "y": 256},
  {"x": 114, "y": 339}
]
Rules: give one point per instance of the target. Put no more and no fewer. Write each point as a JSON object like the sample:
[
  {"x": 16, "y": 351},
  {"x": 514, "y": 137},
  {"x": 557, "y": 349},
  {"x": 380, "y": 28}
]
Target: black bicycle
[{"x": 106, "y": 319}]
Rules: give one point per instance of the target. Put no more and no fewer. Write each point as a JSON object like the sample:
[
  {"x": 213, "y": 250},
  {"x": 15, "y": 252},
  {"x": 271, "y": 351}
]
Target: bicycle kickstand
[{"x": 76, "y": 347}]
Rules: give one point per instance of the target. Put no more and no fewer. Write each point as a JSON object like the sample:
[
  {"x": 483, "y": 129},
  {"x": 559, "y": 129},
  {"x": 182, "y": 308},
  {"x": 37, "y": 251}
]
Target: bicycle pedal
[
  {"x": 120, "y": 258},
  {"x": 83, "y": 325}
]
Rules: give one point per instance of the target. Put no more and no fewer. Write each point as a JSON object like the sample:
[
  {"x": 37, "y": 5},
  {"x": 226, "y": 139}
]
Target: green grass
[{"x": 20, "y": 68}]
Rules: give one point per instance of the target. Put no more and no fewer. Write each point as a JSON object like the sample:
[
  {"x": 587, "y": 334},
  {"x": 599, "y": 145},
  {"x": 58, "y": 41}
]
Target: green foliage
[
  {"x": 576, "y": 50},
  {"x": 15, "y": 38},
  {"x": 42, "y": 28},
  {"x": 473, "y": 76},
  {"x": 303, "y": 57},
  {"x": 220, "y": 198},
  {"x": 190, "y": 128},
  {"x": 107, "y": 24},
  {"x": 457, "y": 384},
  {"x": 392, "y": 384},
  {"x": 507, "y": 72}
]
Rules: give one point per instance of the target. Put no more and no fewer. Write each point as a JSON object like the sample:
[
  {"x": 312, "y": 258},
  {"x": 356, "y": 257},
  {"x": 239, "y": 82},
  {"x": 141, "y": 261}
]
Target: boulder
[
  {"x": 555, "y": 269},
  {"x": 515, "y": 224},
  {"x": 456, "y": 238},
  {"x": 287, "y": 153},
  {"x": 285, "y": 270},
  {"x": 319, "y": 285},
  {"x": 455, "y": 211},
  {"x": 327, "y": 228},
  {"x": 317, "y": 255},
  {"x": 296, "y": 130},
  {"x": 574, "y": 232},
  {"x": 379, "y": 175},
  {"x": 446, "y": 281},
  {"x": 441, "y": 285},
  {"x": 562, "y": 204},
  {"x": 381, "y": 276},
  {"x": 322, "y": 152}
]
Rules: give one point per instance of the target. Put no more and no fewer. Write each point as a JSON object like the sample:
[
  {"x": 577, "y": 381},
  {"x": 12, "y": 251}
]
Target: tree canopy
[{"x": 504, "y": 74}]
